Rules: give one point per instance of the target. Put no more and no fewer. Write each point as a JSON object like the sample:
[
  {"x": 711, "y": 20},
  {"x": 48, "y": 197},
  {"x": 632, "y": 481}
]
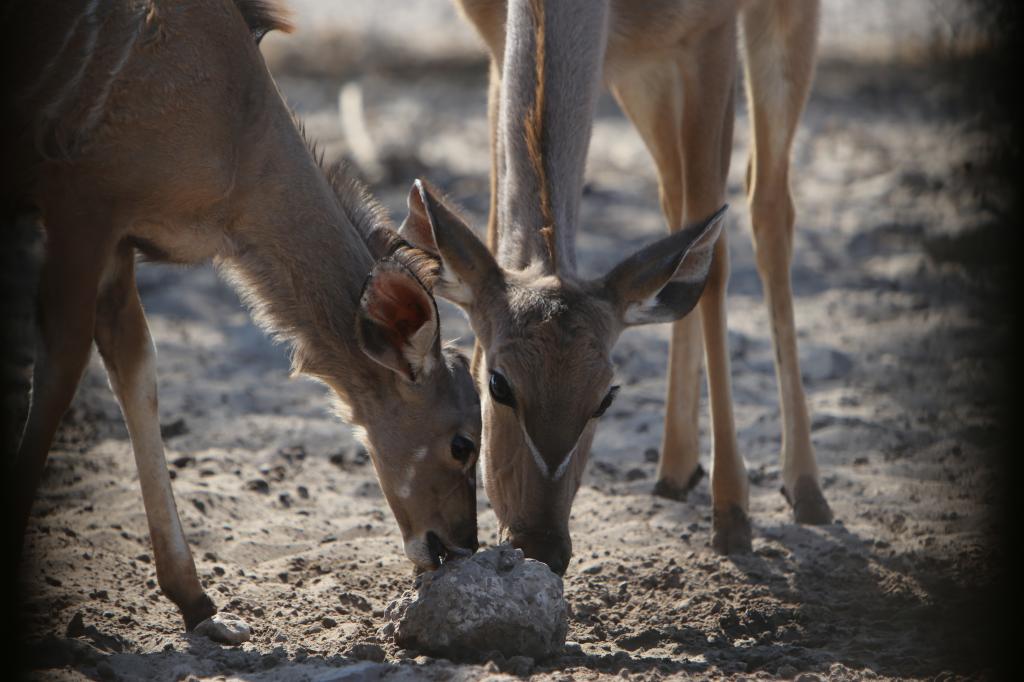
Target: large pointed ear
[
  {"x": 466, "y": 264},
  {"x": 663, "y": 281},
  {"x": 397, "y": 323}
]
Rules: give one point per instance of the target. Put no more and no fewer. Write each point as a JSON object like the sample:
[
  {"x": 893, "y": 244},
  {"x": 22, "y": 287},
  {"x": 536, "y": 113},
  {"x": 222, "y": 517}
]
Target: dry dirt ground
[{"x": 899, "y": 338}]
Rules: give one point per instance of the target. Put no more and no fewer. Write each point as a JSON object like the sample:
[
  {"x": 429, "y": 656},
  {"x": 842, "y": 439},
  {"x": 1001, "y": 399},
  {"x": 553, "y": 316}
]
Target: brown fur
[
  {"x": 177, "y": 141},
  {"x": 376, "y": 228},
  {"x": 671, "y": 65}
]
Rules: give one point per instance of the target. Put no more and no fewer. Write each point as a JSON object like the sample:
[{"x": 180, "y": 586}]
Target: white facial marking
[
  {"x": 404, "y": 491},
  {"x": 560, "y": 471},
  {"x": 419, "y": 454},
  {"x": 539, "y": 461}
]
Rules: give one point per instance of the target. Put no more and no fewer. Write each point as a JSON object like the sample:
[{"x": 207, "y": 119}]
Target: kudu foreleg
[{"x": 123, "y": 339}]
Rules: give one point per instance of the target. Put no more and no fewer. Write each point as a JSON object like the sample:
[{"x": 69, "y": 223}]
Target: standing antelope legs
[{"x": 775, "y": 107}]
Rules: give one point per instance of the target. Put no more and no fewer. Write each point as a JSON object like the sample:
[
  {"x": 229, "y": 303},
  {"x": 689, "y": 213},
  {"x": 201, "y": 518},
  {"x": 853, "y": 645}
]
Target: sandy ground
[{"x": 899, "y": 339}]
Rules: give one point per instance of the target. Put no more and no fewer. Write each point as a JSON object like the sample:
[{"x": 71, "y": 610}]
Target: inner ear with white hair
[
  {"x": 663, "y": 281},
  {"x": 397, "y": 322}
]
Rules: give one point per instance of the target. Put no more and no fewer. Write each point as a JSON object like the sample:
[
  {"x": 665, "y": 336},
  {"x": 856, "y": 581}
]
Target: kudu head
[
  {"x": 547, "y": 368},
  {"x": 420, "y": 419}
]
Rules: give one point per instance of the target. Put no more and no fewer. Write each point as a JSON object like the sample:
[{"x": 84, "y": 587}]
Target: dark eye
[
  {"x": 607, "y": 402},
  {"x": 500, "y": 390},
  {"x": 462, "y": 448}
]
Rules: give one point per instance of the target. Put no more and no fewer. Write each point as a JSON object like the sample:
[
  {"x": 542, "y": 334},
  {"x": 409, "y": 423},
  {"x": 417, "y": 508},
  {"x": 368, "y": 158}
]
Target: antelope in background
[
  {"x": 545, "y": 335},
  {"x": 155, "y": 128}
]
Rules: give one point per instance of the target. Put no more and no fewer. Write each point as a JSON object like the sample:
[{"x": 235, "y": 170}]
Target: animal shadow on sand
[{"x": 898, "y": 615}]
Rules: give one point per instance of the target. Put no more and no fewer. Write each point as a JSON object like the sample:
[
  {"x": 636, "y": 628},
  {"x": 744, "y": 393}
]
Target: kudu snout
[
  {"x": 463, "y": 543},
  {"x": 554, "y": 549}
]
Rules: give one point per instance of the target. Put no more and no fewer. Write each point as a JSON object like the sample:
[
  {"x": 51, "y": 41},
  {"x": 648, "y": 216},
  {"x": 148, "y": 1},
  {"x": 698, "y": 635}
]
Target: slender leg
[
  {"x": 706, "y": 138},
  {"x": 66, "y": 306},
  {"x": 653, "y": 101},
  {"x": 779, "y": 51},
  {"x": 123, "y": 339}
]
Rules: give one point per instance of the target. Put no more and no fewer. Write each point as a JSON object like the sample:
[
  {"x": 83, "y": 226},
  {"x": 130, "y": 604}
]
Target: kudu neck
[
  {"x": 300, "y": 265},
  {"x": 548, "y": 93}
]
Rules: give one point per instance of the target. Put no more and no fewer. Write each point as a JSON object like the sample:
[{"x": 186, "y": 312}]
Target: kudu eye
[
  {"x": 607, "y": 402},
  {"x": 500, "y": 390},
  {"x": 462, "y": 448}
]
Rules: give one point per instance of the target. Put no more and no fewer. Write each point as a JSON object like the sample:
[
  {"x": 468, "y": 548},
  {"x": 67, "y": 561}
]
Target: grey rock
[
  {"x": 366, "y": 651},
  {"x": 495, "y": 600},
  {"x": 225, "y": 628},
  {"x": 363, "y": 671},
  {"x": 519, "y": 666}
]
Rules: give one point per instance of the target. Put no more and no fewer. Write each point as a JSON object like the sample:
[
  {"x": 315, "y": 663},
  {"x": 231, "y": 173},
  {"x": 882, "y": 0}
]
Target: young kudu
[
  {"x": 544, "y": 336},
  {"x": 156, "y": 128}
]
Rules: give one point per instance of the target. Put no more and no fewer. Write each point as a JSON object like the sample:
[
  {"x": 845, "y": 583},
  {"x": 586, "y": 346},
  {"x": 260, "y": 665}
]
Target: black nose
[
  {"x": 553, "y": 549},
  {"x": 467, "y": 539}
]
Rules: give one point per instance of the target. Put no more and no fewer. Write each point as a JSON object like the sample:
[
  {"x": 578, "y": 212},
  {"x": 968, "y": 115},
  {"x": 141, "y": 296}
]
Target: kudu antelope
[
  {"x": 155, "y": 128},
  {"x": 546, "y": 335}
]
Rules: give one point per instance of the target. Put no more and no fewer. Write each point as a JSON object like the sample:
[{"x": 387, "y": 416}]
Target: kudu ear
[
  {"x": 397, "y": 323},
  {"x": 466, "y": 264},
  {"x": 663, "y": 281}
]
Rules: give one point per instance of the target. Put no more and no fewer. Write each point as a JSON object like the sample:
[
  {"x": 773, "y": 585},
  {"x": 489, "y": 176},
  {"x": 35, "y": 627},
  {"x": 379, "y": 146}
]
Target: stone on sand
[
  {"x": 495, "y": 600},
  {"x": 224, "y": 628}
]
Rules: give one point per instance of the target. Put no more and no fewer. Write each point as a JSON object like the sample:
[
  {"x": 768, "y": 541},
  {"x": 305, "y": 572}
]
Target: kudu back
[{"x": 154, "y": 128}]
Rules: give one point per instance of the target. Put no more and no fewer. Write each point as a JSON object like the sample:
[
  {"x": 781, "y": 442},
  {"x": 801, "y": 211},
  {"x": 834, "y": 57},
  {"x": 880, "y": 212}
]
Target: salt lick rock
[{"x": 495, "y": 600}]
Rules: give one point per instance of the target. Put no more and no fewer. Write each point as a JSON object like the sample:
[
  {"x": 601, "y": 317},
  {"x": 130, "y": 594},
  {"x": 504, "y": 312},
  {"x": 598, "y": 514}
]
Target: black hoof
[
  {"x": 198, "y": 611},
  {"x": 672, "y": 491},
  {"x": 730, "y": 531},
  {"x": 809, "y": 505}
]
